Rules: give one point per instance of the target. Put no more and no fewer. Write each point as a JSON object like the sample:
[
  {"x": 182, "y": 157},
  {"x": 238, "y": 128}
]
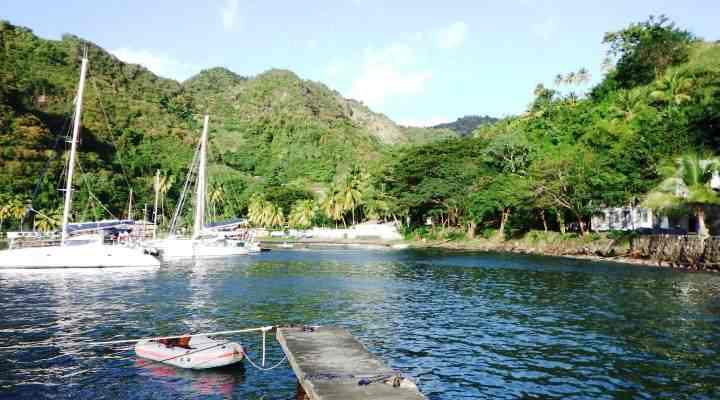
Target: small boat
[
  {"x": 197, "y": 352},
  {"x": 285, "y": 245}
]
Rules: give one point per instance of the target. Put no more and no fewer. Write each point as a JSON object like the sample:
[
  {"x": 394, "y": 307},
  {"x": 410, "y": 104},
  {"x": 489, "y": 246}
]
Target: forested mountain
[
  {"x": 287, "y": 151},
  {"x": 465, "y": 125},
  {"x": 573, "y": 153},
  {"x": 271, "y": 127}
]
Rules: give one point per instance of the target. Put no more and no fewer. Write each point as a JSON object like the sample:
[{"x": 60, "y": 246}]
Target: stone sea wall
[{"x": 679, "y": 251}]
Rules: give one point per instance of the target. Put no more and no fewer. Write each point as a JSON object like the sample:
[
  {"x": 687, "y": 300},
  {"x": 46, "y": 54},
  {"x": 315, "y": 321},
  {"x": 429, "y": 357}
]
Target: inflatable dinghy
[{"x": 197, "y": 352}]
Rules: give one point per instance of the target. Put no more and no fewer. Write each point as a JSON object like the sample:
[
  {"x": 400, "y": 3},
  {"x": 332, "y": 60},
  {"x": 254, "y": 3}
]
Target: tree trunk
[
  {"x": 503, "y": 219},
  {"x": 472, "y": 227},
  {"x": 544, "y": 221},
  {"x": 560, "y": 221},
  {"x": 581, "y": 225},
  {"x": 702, "y": 228}
]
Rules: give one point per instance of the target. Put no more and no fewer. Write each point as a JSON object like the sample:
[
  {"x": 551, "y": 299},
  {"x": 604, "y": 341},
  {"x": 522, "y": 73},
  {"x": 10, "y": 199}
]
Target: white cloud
[
  {"x": 453, "y": 36},
  {"x": 230, "y": 12},
  {"x": 158, "y": 63},
  {"x": 424, "y": 122},
  {"x": 389, "y": 72},
  {"x": 544, "y": 30}
]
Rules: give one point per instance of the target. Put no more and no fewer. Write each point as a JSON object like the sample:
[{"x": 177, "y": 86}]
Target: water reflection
[
  {"x": 220, "y": 381},
  {"x": 464, "y": 325}
]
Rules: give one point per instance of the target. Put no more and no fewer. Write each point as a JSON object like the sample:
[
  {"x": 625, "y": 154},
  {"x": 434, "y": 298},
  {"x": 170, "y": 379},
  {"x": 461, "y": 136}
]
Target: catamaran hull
[
  {"x": 90, "y": 256},
  {"x": 173, "y": 249}
]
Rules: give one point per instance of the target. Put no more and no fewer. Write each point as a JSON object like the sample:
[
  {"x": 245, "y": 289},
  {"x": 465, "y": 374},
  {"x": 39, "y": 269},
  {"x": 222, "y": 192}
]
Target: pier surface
[{"x": 331, "y": 364}]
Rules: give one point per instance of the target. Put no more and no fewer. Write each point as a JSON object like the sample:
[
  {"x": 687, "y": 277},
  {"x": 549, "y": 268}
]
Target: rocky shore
[{"x": 678, "y": 252}]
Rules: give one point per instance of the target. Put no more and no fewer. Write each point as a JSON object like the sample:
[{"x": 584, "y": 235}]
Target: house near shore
[
  {"x": 623, "y": 219},
  {"x": 646, "y": 220},
  {"x": 634, "y": 218}
]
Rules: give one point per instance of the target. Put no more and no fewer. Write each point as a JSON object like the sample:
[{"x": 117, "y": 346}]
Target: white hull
[
  {"x": 190, "y": 248},
  {"x": 85, "y": 256},
  {"x": 203, "y": 353}
]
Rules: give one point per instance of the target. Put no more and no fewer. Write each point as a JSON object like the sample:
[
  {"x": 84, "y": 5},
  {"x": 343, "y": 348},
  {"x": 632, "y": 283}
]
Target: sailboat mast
[
  {"x": 157, "y": 198},
  {"x": 130, "y": 206},
  {"x": 201, "y": 182},
  {"x": 73, "y": 149}
]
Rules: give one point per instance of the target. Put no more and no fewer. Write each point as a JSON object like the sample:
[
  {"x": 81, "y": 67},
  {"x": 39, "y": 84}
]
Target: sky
[{"x": 420, "y": 62}]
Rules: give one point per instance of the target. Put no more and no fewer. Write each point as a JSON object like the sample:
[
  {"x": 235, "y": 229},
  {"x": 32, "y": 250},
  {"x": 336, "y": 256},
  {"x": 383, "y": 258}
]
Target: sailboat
[
  {"x": 204, "y": 243},
  {"x": 74, "y": 250}
]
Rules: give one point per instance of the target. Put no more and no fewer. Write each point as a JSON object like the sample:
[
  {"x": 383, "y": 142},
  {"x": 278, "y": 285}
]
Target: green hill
[
  {"x": 464, "y": 126},
  {"x": 272, "y": 127}
]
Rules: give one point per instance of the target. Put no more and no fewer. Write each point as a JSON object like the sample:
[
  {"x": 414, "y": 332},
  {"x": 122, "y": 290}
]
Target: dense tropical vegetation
[
  {"x": 575, "y": 151},
  {"x": 292, "y": 153}
]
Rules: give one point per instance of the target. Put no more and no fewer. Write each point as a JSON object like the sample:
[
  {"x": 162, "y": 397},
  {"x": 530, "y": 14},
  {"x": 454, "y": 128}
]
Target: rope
[
  {"x": 259, "y": 368},
  {"x": 43, "y": 215},
  {"x": 181, "y": 202},
  {"x": 111, "y": 342},
  {"x": 90, "y": 193},
  {"x": 112, "y": 137}
]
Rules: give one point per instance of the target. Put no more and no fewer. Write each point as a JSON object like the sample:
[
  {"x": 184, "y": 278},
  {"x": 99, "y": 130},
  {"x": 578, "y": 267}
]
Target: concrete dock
[{"x": 331, "y": 364}]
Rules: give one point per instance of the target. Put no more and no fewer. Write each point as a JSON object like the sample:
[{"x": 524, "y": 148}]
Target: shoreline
[
  {"x": 508, "y": 247},
  {"x": 464, "y": 246}
]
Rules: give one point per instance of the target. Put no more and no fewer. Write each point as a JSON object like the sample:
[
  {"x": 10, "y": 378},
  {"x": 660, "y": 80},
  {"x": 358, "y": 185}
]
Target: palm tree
[
  {"x": 256, "y": 210},
  {"x": 687, "y": 184},
  {"x": 559, "y": 79},
  {"x": 349, "y": 195},
  {"x": 330, "y": 205},
  {"x": 163, "y": 186},
  {"x": 302, "y": 214},
  {"x": 264, "y": 213},
  {"x": 4, "y": 214},
  {"x": 275, "y": 216},
  {"x": 18, "y": 209},
  {"x": 628, "y": 102},
  {"x": 46, "y": 222},
  {"x": 570, "y": 78},
  {"x": 674, "y": 89},
  {"x": 582, "y": 76},
  {"x": 216, "y": 197}
]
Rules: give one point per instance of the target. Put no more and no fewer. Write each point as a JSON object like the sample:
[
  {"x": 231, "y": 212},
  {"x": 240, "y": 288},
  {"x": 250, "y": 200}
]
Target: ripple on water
[{"x": 466, "y": 326}]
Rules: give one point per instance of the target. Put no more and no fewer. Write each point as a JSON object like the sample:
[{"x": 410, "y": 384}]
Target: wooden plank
[{"x": 331, "y": 364}]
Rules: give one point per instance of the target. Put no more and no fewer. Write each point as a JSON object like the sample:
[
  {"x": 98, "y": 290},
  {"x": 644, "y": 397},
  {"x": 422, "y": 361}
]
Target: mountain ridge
[{"x": 271, "y": 125}]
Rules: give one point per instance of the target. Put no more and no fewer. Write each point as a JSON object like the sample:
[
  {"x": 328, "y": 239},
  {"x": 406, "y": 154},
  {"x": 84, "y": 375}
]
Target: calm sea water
[{"x": 465, "y": 326}]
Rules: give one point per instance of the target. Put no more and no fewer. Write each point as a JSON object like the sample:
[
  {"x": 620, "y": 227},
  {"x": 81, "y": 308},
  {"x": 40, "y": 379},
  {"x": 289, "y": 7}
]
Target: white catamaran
[
  {"x": 76, "y": 251},
  {"x": 205, "y": 242}
]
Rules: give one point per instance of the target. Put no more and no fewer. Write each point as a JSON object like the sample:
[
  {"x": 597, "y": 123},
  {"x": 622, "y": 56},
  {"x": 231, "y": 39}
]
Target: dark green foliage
[
  {"x": 433, "y": 180},
  {"x": 647, "y": 49},
  {"x": 285, "y": 196},
  {"x": 289, "y": 138},
  {"x": 464, "y": 126},
  {"x": 570, "y": 155},
  {"x": 135, "y": 123}
]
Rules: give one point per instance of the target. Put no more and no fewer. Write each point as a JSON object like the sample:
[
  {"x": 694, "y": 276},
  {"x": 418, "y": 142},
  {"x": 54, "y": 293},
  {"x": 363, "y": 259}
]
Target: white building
[{"x": 624, "y": 219}]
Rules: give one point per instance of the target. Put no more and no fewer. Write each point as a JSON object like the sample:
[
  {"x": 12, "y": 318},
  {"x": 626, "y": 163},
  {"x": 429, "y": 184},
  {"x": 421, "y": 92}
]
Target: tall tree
[
  {"x": 687, "y": 185},
  {"x": 644, "y": 51},
  {"x": 302, "y": 215}
]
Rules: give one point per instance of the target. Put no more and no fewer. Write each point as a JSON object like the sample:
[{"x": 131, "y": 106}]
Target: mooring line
[{"x": 111, "y": 342}]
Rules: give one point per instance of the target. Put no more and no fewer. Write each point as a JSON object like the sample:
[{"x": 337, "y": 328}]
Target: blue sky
[{"x": 419, "y": 62}]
